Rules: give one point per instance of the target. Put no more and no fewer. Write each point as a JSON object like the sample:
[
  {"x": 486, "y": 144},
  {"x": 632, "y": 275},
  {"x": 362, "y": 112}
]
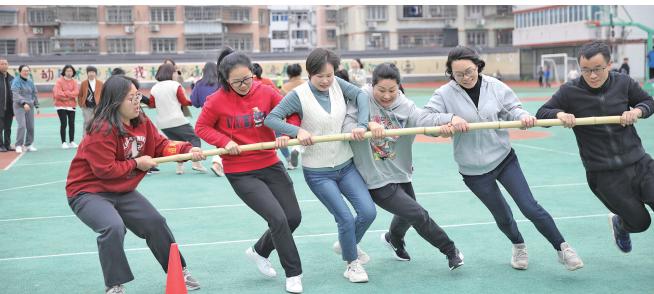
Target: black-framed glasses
[
  {"x": 246, "y": 81},
  {"x": 597, "y": 71},
  {"x": 136, "y": 99},
  {"x": 469, "y": 73}
]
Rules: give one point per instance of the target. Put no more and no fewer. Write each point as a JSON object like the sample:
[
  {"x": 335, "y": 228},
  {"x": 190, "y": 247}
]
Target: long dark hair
[
  {"x": 359, "y": 61},
  {"x": 228, "y": 60},
  {"x": 387, "y": 71},
  {"x": 257, "y": 70},
  {"x": 209, "y": 74},
  {"x": 106, "y": 115},
  {"x": 463, "y": 52}
]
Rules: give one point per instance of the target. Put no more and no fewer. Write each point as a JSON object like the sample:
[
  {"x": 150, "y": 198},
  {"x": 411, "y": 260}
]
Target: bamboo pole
[{"x": 400, "y": 132}]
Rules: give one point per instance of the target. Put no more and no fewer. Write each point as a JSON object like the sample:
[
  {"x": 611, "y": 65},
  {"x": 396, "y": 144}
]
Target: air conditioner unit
[
  {"x": 129, "y": 29},
  {"x": 449, "y": 22},
  {"x": 372, "y": 24},
  {"x": 37, "y": 31},
  {"x": 154, "y": 28},
  {"x": 481, "y": 22}
]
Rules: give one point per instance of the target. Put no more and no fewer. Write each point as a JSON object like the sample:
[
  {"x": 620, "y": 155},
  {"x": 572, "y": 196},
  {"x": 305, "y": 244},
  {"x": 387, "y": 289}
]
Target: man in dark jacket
[
  {"x": 618, "y": 170},
  {"x": 624, "y": 68},
  {"x": 6, "y": 107}
]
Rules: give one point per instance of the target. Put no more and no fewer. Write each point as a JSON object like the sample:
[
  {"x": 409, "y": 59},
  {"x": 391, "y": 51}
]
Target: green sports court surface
[{"x": 44, "y": 248}]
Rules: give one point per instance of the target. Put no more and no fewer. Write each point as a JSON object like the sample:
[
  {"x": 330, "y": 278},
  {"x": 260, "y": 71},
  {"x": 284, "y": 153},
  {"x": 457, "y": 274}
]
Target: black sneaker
[
  {"x": 153, "y": 170},
  {"x": 395, "y": 246},
  {"x": 3, "y": 149},
  {"x": 455, "y": 257}
]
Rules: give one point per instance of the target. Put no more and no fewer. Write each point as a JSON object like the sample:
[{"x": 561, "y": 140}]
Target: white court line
[
  {"x": 545, "y": 149},
  {"x": 305, "y": 236},
  {"x": 14, "y": 161},
  {"x": 40, "y": 163},
  {"x": 16, "y": 188}
]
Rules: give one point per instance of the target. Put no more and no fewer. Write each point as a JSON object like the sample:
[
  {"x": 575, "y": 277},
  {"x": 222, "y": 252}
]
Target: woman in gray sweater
[{"x": 485, "y": 156}]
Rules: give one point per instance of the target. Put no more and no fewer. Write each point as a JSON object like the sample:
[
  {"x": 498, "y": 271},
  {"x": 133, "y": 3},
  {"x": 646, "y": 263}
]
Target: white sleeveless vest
[
  {"x": 318, "y": 122},
  {"x": 169, "y": 110}
]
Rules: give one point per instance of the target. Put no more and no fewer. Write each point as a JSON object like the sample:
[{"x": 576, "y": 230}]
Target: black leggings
[{"x": 63, "y": 113}]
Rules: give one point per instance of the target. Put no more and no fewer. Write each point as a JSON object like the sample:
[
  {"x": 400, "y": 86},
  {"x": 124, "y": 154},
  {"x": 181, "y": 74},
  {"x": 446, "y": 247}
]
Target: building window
[
  {"x": 376, "y": 13},
  {"x": 330, "y": 15},
  {"x": 237, "y": 14},
  {"x": 504, "y": 38},
  {"x": 40, "y": 47},
  {"x": 264, "y": 44},
  {"x": 412, "y": 11},
  {"x": 442, "y": 11},
  {"x": 8, "y": 18},
  {"x": 77, "y": 14},
  {"x": 7, "y": 47},
  {"x": 239, "y": 42},
  {"x": 163, "y": 45},
  {"x": 331, "y": 34},
  {"x": 421, "y": 39},
  {"x": 120, "y": 45},
  {"x": 342, "y": 16},
  {"x": 474, "y": 11},
  {"x": 162, "y": 14},
  {"x": 202, "y": 13},
  {"x": 42, "y": 16},
  {"x": 299, "y": 16},
  {"x": 279, "y": 16},
  {"x": 476, "y": 38},
  {"x": 264, "y": 17},
  {"x": 300, "y": 34},
  {"x": 504, "y": 10},
  {"x": 75, "y": 45},
  {"x": 119, "y": 14},
  {"x": 280, "y": 35},
  {"x": 377, "y": 41},
  {"x": 203, "y": 42}
]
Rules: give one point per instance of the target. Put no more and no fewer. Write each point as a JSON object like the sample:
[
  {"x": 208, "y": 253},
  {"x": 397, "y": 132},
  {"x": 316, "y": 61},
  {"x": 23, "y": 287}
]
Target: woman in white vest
[
  {"x": 170, "y": 98},
  {"x": 328, "y": 167}
]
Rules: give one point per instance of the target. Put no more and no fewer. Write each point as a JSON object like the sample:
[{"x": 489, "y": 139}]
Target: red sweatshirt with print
[
  {"x": 230, "y": 117},
  {"x": 104, "y": 163}
]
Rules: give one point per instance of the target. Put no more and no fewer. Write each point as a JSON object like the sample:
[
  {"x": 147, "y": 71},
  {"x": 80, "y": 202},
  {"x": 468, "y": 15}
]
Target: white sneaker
[
  {"x": 30, "y": 148},
  {"x": 520, "y": 258},
  {"x": 361, "y": 256},
  {"x": 263, "y": 263},
  {"x": 217, "y": 171},
  {"x": 73, "y": 145},
  {"x": 19, "y": 149},
  {"x": 114, "y": 290},
  {"x": 64, "y": 145},
  {"x": 191, "y": 283},
  {"x": 290, "y": 166},
  {"x": 294, "y": 284},
  {"x": 569, "y": 257},
  {"x": 355, "y": 272}
]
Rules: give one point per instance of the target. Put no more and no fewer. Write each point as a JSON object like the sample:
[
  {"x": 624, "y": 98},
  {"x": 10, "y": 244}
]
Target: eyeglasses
[
  {"x": 136, "y": 99},
  {"x": 468, "y": 73},
  {"x": 246, "y": 81},
  {"x": 598, "y": 71}
]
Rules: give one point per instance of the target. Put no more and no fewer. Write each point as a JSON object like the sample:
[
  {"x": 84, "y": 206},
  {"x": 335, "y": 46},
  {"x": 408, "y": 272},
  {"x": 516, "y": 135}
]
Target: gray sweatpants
[
  {"x": 87, "y": 113},
  {"x": 25, "y": 120},
  {"x": 108, "y": 214}
]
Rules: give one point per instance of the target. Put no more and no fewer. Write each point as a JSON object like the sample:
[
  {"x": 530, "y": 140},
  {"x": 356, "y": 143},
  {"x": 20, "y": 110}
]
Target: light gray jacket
[{"x": 479, "y": 151}]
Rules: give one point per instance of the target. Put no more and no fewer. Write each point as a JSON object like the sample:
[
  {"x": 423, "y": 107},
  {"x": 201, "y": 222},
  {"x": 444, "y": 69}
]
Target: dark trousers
[
  {"x": 625, "y": 193},
  {"x": 5, "y": 127},
  {"x": 509, "y": 174},
  {"x": 108, "y": 214},
  {"x": 651, "y": 72},
  {"x": 400, "y": 200},
  {"x": 63, "y": 115},
  {"x": 183, "y": 133},
  {"x": 269, "y": 192}
]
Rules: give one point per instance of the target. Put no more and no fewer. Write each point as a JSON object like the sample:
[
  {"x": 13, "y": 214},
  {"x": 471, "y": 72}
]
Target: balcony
[{"x": 42, "y": 16}]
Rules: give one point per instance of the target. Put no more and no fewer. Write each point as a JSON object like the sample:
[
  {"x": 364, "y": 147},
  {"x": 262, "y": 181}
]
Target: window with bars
[
  {"x": 504, "y": 38},
  {"x": 8, "y": 18},
  {"x": 442, "y": 11},
  {"x": 476, "y": 38},
  {"x": 239, "y": 42},
  {"x": 39, "y": 47},
  {"x": 120, "y": 46},
  {"x": 412, "y": 11},
  {"x": 7, "y": 47},
  {"x": 504, "y": 10},
  {"x": 264, "y": 17},
  {"x": 342, "y": 16},
  {"x": 42, "y": 16},
  {"x": 330, "y": 15},
  {"x": 77, "y": 14},
  {"x": 162, "y": 14},
  {"x": 202, "y": 13},
  {"x": 119, "y": 14},
  {"x": 204, "y": 42},
  {"x": 421, "y": 39},
  {"x": 237, "y": 14},
  {"x": 376, "y": 13},
  {"x": 331, "y": 34},
  {"x": 82, "y": 45},
  {"x": 300, "y": 34},
  {"x": 474, "y": 11},
  {"x": 377, "y": 41},
  {"x": 300, "y": 15},
  {"x": 264, "y": 45},
  {"x": 280, "y": 35},
  {"x": 163, "y": 45}
]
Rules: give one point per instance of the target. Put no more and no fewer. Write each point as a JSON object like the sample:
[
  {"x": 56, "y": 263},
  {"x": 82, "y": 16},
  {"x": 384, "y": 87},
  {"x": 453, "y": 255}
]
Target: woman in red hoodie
[
  {"x": 234, "y": 116},
  {"x": 65, "y": 100},
  {"x": 113, "y": 157}
]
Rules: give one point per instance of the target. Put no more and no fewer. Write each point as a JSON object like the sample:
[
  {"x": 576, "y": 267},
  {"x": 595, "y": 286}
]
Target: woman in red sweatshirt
[
  {"x": 112, "y": 159},
  {"x": 65, "y": 94},
  {"x": 234, "y": 116}
]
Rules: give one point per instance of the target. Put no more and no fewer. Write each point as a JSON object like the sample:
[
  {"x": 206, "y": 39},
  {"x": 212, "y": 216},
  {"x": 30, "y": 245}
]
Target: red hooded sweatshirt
[
  {"x": 104, "y": 163},
  {"x": 230, "y": 117}
]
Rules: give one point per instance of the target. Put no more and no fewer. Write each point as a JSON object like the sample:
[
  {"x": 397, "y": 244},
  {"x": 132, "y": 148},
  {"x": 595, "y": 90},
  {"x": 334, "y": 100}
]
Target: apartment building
[{"x": 292, "y": 28}]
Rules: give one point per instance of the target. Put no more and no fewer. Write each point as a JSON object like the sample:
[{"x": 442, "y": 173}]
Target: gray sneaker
[
  {"x": 191, "y": 283},
  {"x": 520, "y": 258},
  {"x": 294, "y": 156},
  {"x": 114, "y": 290},
  {"x": 569, "y": 257}
]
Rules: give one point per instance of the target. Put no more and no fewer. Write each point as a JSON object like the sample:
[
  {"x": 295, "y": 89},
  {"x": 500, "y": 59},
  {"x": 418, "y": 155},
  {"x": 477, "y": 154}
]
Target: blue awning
[{"x": 8, "y": 10}]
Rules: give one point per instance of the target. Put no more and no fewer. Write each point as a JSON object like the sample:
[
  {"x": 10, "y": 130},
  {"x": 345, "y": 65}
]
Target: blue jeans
[
  {"x": 509, "y": 174},
  {"x": 285, "y": 152},
  {"x": 328, "y": 186}
]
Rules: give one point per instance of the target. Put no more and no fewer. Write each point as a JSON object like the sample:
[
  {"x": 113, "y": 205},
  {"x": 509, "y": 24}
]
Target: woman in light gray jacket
[
  {"x": 25, "y": 100},
  {"x": 485, "y": 156}
]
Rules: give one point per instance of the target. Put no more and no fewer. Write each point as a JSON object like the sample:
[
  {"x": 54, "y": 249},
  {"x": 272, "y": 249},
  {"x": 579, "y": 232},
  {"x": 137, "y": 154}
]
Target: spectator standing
[
  {"x": 65, "y": 94},
  {"x": 7, "y": 111},
  {"x": 89, "y": 93}
]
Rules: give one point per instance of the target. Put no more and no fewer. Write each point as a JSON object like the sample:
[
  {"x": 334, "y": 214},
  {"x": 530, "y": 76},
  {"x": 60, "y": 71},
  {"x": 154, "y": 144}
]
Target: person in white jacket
[{"x": 485, "y": 156}]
